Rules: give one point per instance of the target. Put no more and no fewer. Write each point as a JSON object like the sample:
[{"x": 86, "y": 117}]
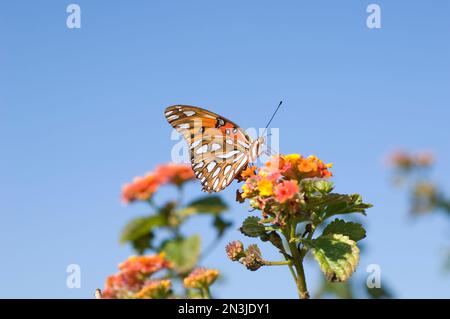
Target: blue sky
[{"x": 81, "y": 113}]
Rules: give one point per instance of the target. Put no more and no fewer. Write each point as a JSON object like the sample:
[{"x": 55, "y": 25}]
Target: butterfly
[{"x": 220, "y": 150}]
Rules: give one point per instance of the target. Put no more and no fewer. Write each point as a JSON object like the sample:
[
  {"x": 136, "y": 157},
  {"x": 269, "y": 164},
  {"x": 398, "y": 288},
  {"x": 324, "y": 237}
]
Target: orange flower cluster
[
  {"x": 277, "y": 183},
  {"x": 143, "y": 188},
  {"x": 295, "y": 166},
  {"x": 133, "y": 279},
  {"x": 407, "y": 161},
  {"x": 201, "y": 278}
]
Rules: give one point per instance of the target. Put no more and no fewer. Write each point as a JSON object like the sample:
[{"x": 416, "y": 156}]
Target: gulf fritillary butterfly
[{"x": 220, "y": 150}]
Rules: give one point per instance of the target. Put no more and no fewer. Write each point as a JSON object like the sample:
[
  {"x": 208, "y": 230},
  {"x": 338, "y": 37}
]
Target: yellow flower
[
  {"x": 265, "y": 187},
  {"x": 246, "y": 190},
  {"x": 292, "y": 157}
]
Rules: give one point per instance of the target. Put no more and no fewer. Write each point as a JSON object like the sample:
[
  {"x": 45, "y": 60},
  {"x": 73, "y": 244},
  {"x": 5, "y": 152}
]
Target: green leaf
[
  {"x": 354, "y": 231},
  {"x": 252, "y": 228},
  {"x": 183, "y": 253},
  {"x": 221, "y": 225},
  {"x": 140, "y": 227},
  {"x": 335, "y": 204},
  {"x": 206, "y": 205},
  {"x": 143, "y": 243},
  {"x": 336, "y": 254}
]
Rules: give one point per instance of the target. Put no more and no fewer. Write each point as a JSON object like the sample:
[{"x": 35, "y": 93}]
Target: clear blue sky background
[{"x": 81, "y": 113}]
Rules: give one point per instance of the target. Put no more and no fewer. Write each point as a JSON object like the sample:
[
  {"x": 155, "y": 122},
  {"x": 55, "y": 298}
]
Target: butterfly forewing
[{"x": 219, "y": 148}]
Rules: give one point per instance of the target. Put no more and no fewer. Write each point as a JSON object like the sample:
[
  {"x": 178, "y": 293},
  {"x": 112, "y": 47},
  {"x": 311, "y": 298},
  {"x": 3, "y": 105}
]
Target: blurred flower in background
[
  {"x": 412, "y": 171},
  {"x": 143, "y": 188},
  {"x": 162, "y": 233},
  {"x": 133, "y": 280}
]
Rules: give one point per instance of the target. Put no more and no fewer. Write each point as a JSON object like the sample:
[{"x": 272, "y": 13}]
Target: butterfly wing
[{"x": 219, "y": 148}]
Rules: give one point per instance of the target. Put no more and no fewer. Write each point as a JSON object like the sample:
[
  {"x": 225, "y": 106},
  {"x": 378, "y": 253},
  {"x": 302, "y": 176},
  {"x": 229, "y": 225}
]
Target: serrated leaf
[
  {"x": 252, "y": 228},
  {"x": 354, "y": 231},
  {"x": 337, "y": 256},
  {"x": 140, "y": 227},
  {"x": 206, "y": 205},
  {"x": 336, "y": 204},
  {"x": 183, "y": 253}
]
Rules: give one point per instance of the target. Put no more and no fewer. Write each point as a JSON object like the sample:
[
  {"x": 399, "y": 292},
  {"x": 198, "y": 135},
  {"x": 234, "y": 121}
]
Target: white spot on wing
[
  {"x": 173, "y": 117},
  {"x": 199, "y": 165},
  {"x": 189, "y": 113},
  {"x": 195, "y": 144},
  {"x": 241, "y": 164},
  {"x": 230, "y": 177},
  {"x": 211, "y": 166},
  {"x": 238, "y": 158},
  {"x": 215, "y": 147},
  {"x": 202, "y": 149},
  {"x": 216, "y": 183},
  {"x": 183, "y": 126},
  {"x": 168, "y": 113},
  {"x": 216, "y": 172},
  {"x": 228, "y": 155},
  {"x": 227, "y": 169}
]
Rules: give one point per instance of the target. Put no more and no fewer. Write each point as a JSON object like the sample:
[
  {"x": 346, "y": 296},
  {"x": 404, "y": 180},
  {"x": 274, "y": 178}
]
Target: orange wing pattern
[{"x": 219, "y": 148}]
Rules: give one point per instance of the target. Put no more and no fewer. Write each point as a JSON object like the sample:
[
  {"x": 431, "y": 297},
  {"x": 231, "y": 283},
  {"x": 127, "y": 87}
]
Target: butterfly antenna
[
  {"x": 273, "y": 115},
  {"x": 269, "y": 151}
]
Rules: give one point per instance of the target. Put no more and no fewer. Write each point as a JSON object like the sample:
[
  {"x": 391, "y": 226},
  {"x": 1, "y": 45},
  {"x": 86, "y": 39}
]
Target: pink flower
[{"x": 285, "y": 190}]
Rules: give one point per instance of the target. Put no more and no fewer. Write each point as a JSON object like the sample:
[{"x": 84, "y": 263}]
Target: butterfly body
[{"x": 220, "y": 150}]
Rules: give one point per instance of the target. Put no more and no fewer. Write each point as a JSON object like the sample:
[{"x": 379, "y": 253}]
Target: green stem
[
  {"x": 278, "y": 263},
  {"x": 291, "y": 268},
  {"x": 205, "y": 293},
  {"x": 297, "y": 259}
]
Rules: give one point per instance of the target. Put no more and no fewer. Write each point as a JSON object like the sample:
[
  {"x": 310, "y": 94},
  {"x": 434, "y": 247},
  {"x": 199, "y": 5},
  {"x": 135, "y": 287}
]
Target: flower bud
[
  {"x": 235, "y": 250},
  {"x": 252, "y": 259}
]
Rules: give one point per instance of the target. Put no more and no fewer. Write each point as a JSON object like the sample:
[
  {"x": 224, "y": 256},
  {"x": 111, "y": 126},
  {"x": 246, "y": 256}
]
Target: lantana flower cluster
[
  {"x": 143, "y": 188},
  {"x": 135, "y": 279},
  {"x": 407, "y": 161},
  {"x": 200, "y": 278},
  {"x": 276, "y": 187}
]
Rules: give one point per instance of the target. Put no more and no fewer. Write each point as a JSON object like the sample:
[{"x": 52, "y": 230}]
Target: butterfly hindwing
[{"x": 219, "y": 148}]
